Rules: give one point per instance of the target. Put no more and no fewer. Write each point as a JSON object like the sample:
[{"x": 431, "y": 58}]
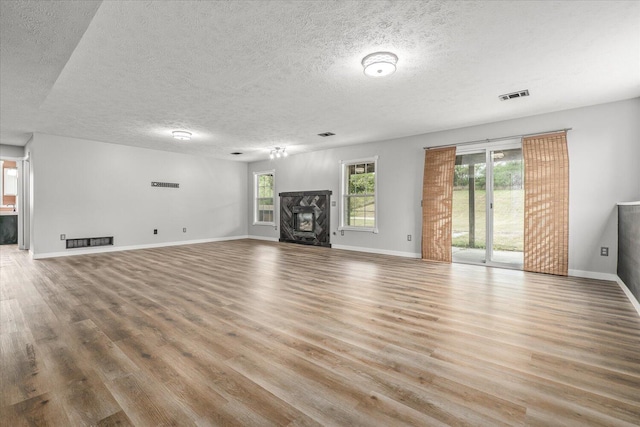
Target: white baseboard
[
  {"x": 629, "y": 295},
  {"x": 610, "y": 277},
  {"x": 103, "y": 249},
  {"x": 269, "y": 239},
  {"x": 593, "y": 275},
  {"x": 377, "y": 251}
]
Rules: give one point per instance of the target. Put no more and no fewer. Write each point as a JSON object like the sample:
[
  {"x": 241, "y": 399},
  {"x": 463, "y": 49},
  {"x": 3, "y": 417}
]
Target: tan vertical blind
[
  {"x": 546, "y": 203},
  {"x": 437, "y": 198}
]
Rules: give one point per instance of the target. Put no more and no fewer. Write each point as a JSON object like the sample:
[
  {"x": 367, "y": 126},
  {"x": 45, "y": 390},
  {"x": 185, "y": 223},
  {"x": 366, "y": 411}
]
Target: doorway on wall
[
  {"x": 488, "y": 205},
  {"x": 14, "y": 209}
]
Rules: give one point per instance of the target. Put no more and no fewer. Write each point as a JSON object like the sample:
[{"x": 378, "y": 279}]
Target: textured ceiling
[{"x": 250, "y": 75}]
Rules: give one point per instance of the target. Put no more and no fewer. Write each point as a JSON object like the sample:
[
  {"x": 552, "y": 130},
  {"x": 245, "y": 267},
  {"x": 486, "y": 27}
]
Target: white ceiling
[{"x": 250, "y": 75}]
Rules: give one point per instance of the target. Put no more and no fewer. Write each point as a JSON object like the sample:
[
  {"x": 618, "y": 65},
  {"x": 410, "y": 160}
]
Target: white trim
[
  {"x": 627, "y": 292},
  {"x": 103, "y": 249},
  {"x": 488, "y": 205},
  {"x": 593, "y": 275},
  {"x": 377, "y": 251},
  {"x": 268, "y": 239},
  {"x": 343, "y": 186},
  {"x": 609, "y": 277},
  {"x": 256, "y": 174},
  {"x": 488, "y": 148},
  {"x": 628, "y": 203},
  {"x": 365, "y": 229},
  {"x": 572, "y": 273},
  {"x": 478, "y": 148}
]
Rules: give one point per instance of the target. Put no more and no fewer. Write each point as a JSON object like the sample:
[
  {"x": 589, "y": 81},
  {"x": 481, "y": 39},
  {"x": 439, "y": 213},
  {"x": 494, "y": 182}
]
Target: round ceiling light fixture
[
  {"x": 379, "y": 64},
  {"x": 181, "y": 135}
]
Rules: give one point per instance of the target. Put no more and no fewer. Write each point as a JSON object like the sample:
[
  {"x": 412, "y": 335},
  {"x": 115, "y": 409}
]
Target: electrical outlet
[
  {"x": 184, "y": 229},
  {"x": 342, "y": 232},
  {"x": 604, "y": 251},
  {"x": 155, "y": 231},
  {"x": 333, "y": 203},
  {"x": 63, "y": 237},
  {"x": 408, "y": 237}
]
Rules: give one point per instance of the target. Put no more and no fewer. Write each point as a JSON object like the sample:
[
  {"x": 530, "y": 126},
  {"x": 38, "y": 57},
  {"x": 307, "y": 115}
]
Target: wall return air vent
[
  {"x": 88, "y": 242},
  {"x": 518, "y": 94}
]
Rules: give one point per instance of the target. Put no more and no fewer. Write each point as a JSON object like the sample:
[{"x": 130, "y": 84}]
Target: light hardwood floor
[{"x": 258, "y": 333}]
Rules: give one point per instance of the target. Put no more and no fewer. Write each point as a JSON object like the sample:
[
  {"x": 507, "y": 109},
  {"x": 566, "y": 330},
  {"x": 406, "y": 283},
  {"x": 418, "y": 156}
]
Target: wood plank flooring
[{"x": 255, "y": 333}]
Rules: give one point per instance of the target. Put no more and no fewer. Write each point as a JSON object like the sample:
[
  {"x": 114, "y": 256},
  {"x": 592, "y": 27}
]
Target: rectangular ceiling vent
[
  {"x": 165, "y": 184},
  {"x": 518, "y": 94},
  {"x": 326, "y": 134}
]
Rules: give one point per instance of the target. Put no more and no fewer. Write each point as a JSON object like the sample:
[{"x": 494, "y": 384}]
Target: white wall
[
  {"x": 604, "y": 151},
  {"x": 85, "y": 188},
  {"x": 11, "y": 151}
]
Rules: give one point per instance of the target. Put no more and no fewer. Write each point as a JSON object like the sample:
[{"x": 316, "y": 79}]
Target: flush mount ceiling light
[
  {"x": 181, "y": 135},
  {"x": 379, "y": 64},
  {"x": 278, "y": 152}
]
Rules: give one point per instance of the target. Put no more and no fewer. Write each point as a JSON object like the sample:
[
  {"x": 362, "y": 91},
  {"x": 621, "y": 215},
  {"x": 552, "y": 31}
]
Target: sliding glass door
[
  {"x": 507, "y": 207},
  {"x": 469, "y": 238},
  {"x": 488, "y": 206}
]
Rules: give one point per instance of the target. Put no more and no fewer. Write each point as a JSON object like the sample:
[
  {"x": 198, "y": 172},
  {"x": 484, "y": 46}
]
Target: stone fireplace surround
[{"x": 304, "y": 217}]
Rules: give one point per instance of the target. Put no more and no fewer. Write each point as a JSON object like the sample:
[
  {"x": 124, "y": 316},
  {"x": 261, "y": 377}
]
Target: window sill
[
  {"x": 270, "y": 224},
  {"x": 366, "y": 230}
]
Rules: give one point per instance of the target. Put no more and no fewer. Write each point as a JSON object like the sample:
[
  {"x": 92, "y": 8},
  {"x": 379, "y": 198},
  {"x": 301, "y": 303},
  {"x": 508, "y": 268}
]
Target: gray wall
[
  {"x": 11, "y": 151},
  {"x": 629, "y": 247},
  {"x": 604, "y": 149},
  {"x": 85, "y": 188}
]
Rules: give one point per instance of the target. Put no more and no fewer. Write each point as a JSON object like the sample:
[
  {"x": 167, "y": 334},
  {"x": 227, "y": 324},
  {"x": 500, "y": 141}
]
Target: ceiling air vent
[
  {"x": 518, "y": 94},
  {"x": 165, "y": 184},
  {"x": 326, "y": 134}
]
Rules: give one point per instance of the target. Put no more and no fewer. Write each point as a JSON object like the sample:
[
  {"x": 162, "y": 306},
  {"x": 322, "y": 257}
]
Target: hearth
[{"x": 304, "y": 217}]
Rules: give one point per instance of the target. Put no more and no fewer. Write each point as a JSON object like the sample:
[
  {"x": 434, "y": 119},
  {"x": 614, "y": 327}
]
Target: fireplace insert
[{"x": 304, "y": 220}]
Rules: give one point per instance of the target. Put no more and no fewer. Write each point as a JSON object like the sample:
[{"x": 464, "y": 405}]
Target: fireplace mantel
[{"x": 304, "y": 217}]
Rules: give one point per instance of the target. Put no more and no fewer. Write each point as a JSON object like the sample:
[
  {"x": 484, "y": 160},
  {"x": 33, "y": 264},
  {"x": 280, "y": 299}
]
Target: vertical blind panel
[
  {"x": 437, "y": 199},
  {"x": 546, "y": 204}
]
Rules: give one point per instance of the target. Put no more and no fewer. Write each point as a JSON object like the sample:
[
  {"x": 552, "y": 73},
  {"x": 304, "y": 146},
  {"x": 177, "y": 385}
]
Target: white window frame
[
  {"x": 256, "y": 177},
  {"x": 344, "y": 164}
]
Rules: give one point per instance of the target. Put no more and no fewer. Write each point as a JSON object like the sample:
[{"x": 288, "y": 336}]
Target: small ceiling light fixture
[
  {"x": 379, "y": 64},
  {"x": 278, "y": 152},
  {"x": 181, "y": 135}
]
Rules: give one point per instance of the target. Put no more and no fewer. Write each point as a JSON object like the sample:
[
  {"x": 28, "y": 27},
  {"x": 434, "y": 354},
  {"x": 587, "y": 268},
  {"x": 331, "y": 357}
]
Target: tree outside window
[
  {"x": 264, "y": 200},
  {"x": 359, "y": 195}
]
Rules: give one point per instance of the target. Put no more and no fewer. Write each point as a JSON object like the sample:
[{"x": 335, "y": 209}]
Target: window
[
  {"x": 359, "y": 195},
  {"x": 264, "y": 184}
]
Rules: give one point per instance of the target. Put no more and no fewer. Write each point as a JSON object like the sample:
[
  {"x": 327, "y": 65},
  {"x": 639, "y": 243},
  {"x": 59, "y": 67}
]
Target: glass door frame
[{"x": 488, "y": 148}]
